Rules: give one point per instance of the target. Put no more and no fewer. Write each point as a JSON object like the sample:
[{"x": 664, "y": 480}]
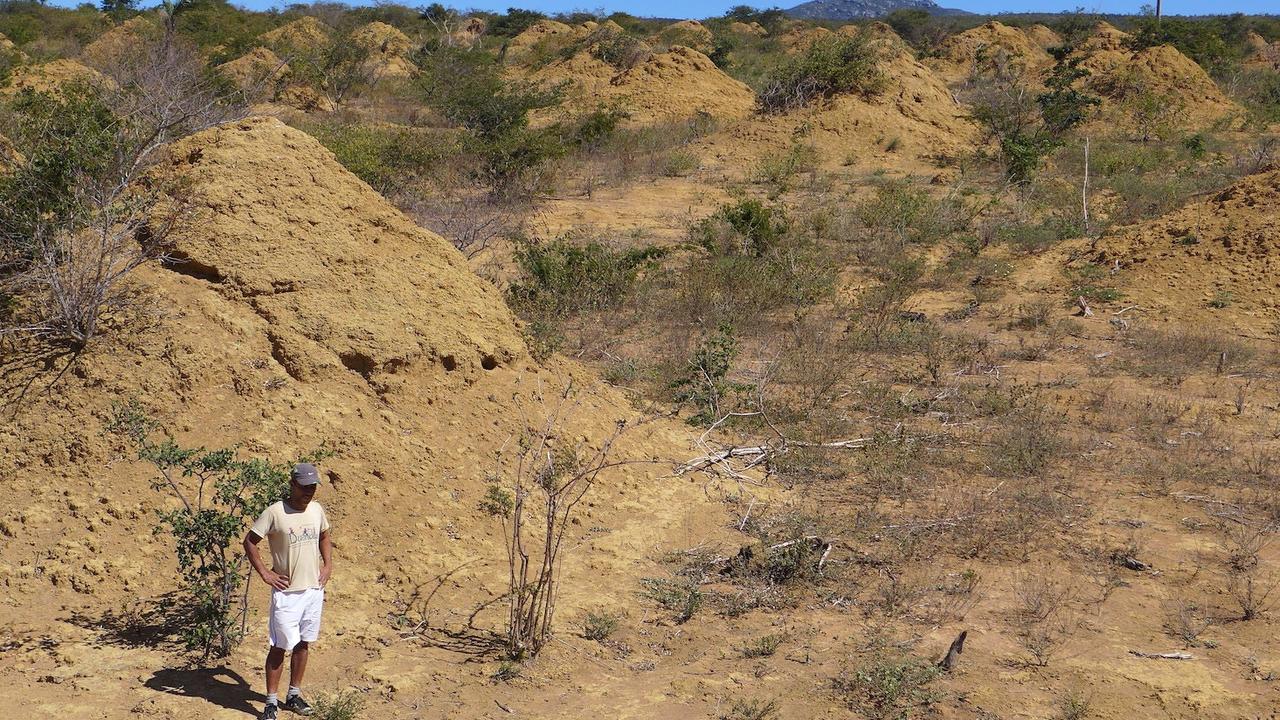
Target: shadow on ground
[
  {"x": 155, "y": 623},
  {"x": 221, "y": 686}
]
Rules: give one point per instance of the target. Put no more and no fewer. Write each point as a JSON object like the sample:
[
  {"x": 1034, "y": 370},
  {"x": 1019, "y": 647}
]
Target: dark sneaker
[
  {"x": 298, "y": 705},
  {"x": 269, "y": 713}
]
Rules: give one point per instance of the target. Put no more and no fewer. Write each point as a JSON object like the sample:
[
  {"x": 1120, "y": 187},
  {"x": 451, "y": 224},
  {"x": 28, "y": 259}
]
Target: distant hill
[{"x": 856, "y": 9}]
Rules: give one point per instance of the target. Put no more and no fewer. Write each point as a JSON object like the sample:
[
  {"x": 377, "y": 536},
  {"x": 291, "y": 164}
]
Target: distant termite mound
[
  {"x": 610, "y": 67},
  {"x": 964, "y": 54},
  {"x": 1216, "y": 260},
  {"x": 1156, "y": 86},
  {"x": 48, "y": 77},
  {"x": 388, "y": 49}
]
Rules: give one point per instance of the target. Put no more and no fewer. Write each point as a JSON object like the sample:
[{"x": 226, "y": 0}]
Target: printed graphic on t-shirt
[{"x": 303, "y": 534}]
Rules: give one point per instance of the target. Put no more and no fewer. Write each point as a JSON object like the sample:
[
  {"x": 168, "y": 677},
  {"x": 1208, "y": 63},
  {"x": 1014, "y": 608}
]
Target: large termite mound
[{"x": 300, "y": 308}]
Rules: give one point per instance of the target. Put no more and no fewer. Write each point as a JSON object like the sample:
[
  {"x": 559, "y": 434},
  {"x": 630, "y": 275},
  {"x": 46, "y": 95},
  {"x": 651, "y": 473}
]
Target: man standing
[{"x": 297, "y": 530}]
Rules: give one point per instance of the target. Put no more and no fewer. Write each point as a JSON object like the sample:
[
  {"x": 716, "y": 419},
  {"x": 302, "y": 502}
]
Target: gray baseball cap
[{"x": 305, "y": 474}]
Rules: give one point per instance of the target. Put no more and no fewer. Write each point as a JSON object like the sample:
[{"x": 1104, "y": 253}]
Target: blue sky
[{"x": 709, "y": 8}]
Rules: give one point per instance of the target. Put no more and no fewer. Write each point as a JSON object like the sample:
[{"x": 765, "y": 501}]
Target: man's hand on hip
[{"x": 275, "y": 580}]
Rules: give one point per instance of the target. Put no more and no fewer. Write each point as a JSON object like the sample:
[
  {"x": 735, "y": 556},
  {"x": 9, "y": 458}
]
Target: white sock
[
  {"x": 272, "y": 698},
  {"x": 294, "y": 691}
]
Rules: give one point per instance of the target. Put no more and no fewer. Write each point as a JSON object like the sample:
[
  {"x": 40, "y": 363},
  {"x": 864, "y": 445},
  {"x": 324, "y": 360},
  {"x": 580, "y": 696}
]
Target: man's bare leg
[
  {"x": 297, "y": 664},
  {"x": 275, "y": 668}
]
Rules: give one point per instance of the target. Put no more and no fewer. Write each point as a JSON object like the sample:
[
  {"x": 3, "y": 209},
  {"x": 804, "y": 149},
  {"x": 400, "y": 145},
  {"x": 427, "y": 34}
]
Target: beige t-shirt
[{"x": 295, "y": 541}]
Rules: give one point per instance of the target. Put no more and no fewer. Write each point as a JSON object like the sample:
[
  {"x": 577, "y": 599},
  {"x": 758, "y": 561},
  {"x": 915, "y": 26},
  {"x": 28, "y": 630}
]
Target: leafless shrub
[
  {"x": 468, "y": 221},
  {"x": 1186, "y": 621},
  {"x": 1073, "y": 705},
  {"x": 117, "y": 213},
  {"x": 1027, "y": 443},
  {"x": 1253, "y": 590},
  {"x": 1257, "y": 157},
  {"x": 1033, "y": 315},
  {"x": 1043, "y": 641},
  {"x": 1178, "y": 353},
  {"x": 551, "y": 476},
  {"x": 1040, "y": 597}
]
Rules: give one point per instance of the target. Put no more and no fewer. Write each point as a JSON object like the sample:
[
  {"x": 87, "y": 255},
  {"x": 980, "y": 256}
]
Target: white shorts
[{"x": 295, "y": 617}]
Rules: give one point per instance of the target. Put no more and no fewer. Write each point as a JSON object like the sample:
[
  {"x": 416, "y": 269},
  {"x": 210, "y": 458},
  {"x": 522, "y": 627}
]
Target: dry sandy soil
[{"x": 303, "y": 308}]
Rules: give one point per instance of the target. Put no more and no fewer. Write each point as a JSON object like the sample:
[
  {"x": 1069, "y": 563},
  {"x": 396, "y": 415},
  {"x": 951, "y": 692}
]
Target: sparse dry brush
[
  {"x": 88, "y": 205},
  {"x": 547, "y": 480}
]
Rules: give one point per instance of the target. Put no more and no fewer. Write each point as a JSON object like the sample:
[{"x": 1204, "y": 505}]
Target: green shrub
[
  {"x": 1204, "y": 40},
  {"x": 599, "y": 625},
  {"x": 889, "y": 687},
  {"x": 747, "y": 227},
  {"x": 507, "y": 671},
  {"x": 1041, "y": 235},
  {"x": 468, "y": 88},
  {"x": 778, "y": 169},
  {"x": 596, "y": 127},
  {"x": 217, "y": 23},
  {"x": 737, "y": 289},
  {"x": 218, "y": 494},
  {"x": 681, "y": 597},
  {"x": 339, "y": 67},
  {"x": 680, "y": 163},
  {"x": 1259, "y": 92},
  {"x": 901, "y": 214},
  {"x": 1088, "y": 282},
  {"x": 751, "y": 710},
  {"x": 559, "y": 277},
  {"x": 620, "y": 50},
  {"x": 513, "y": 22},
  {"x": 1027, "y": 444},
  {"x": 1028, "y": 128},
  {"x": 763, "y": 647},
  {"x": 64, "y": 138},
  {"x": 388, "y": 158},
  {"x": 828, "y": 67},
  {"x": 704, "y": 383}
]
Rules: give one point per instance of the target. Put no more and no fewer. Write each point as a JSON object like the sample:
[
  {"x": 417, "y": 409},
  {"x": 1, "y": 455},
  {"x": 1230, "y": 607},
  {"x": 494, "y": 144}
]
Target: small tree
[
  {"x": 828, "y": 67},
  {"x": 218, "y": 494},
  {"x": 119, "y": 9},
  {"x": 1026, "y": 125},
  {"x": 468, "y": 88},
  {"x": 704, "y": 384},
  {"x": 551, "y": 477},
  {"x": 84, "y": 208}
]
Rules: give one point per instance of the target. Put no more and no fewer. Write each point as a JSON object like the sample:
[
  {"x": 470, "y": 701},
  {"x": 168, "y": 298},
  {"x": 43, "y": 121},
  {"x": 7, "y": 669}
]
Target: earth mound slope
[
  {"x": 1105, "y": 36},
  {"x": 117, "y": 44},
  {"x": 306, "y": 33},
  {"x": 988, "y": 43},
  {"x": 1042, "y": 35},
  {"x": 1159, "y": 75},
  {"x": 388, "y": 48},
  {"x": 689, "y": 33},
  {"x": 542, "y": 36},
  {"x": 419, "y": 301},
  {"x": 671, "y": 85},
  {"x": 303, "y": 309},
  {"x": 914, "y": 119},
  {"x": 1216, "y": 261},
  {"x": 49, "y": 76},
  {"x": 259, "y": 66}
]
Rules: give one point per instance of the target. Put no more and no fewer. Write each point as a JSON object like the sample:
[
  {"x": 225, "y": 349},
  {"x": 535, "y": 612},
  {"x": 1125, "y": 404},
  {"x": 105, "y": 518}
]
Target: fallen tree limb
[{"x": 1163, "y": 656}]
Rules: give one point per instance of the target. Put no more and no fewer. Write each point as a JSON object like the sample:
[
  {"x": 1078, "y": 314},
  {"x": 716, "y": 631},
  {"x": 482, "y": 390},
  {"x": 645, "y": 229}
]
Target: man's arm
[
  {"x": 326, "y": 555},
  {"x": 274, "y": 579}
]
